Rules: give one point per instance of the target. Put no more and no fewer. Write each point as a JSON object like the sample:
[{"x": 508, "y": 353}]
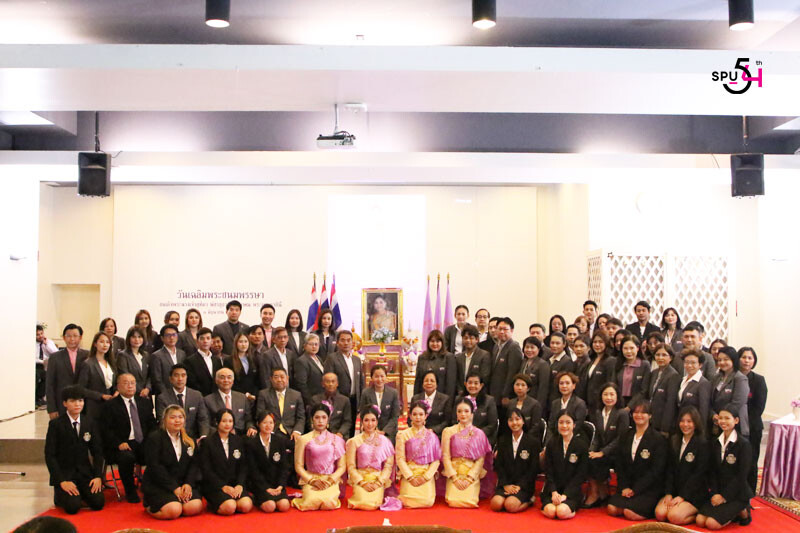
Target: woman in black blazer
[
  {"x": 439, "y": 412},
  {"x": 756, "y": 401},
  {"x": 135, "y": 360},
  {"x": 389, "y": 405},
  {"x": 96, "y": 375},
  {"x": 566, "y": 467},
  {"x": 640, "y": 461},
  {"x": 537, "y": 370},
  {"x": 224, "y": 464},
  {"x": 294, "y": 327},
  {"x": 109, "y": 327},
  {"x": 530, "y": 408},
  {"x": 485, "y": 414},
  {"x": 566, "y": 382},
  {"x": 611, "y": 424},
  {"x": 633, "y": 372},
  {"x": 727, "y": 479},
  {"x": 671, "y": 327},
  {"x": 685, "y": 483},
  {"x": 599, "y": 371},
  {"x": 326, "y": 334},
  {"x": 245, "y": 380},
  {"x": 269, "y": 463},
  {"x": 663, "y": 390},
  {"x": 170, "y": 480},
  {"x": 516, "y": 466},
  {"x": 187, "y": 339},
  {"x": 438, "y": 360}
]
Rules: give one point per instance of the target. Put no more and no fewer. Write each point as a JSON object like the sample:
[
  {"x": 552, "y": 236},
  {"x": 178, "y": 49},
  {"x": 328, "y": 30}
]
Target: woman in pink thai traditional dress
[
  {"x": 370, "y": 463},
  {"x": 418, "y": 453},
  {"x": 465, "y": 449},
  {"x": 319, "y": 460}
]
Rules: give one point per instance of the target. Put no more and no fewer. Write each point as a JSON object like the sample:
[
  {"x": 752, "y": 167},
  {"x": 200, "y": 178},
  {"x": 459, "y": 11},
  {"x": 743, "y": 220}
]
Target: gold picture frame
[{"x": 391, "y": 313}]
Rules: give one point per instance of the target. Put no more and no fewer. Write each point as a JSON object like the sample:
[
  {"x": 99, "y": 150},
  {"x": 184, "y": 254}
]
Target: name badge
[
  {"x": 276, "y": 457},
  {"x": 292, "y": 406},
  {"x": 729, "y": 391},
  {"x": 524, "y": 455},
  {"x": 483, "y": 413},
  {"x": 660, "y": 390},
  {"x": 192, "y": 408},
  {"x": 689, "y": 457},
  {"x": 237, "y": 454},
  {"x": 645, "y": 454},
  {"x": 339, "y": 412},
  {"x": 387, "y": 406},
  {"x": 240, "y": 410},
  {"x": 689, "y": 394},
  {"x": 730, "y": 459},
  {"x": 501, "y": 360},
  {"x": 639, "y": 377},
  {"x": 441, "y": 369},
  {"x": 441, "y": 413},
  {"x": 612, "y": 428},
  {"x": 87, "y": 436},
  {"x": 573, "y": 458}
]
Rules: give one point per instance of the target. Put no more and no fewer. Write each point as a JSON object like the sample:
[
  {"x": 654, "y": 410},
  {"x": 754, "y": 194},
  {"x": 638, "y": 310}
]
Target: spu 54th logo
[{"x": 738, "y": 80}]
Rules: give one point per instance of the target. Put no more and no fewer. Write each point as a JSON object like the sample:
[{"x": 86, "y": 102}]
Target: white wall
[
  {"x": 19, "y": 206},
  {"x": 145, "y": 244}
]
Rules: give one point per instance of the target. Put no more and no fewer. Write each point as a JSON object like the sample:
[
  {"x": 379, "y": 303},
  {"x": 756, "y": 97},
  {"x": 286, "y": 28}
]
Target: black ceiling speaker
[
  {"x": 94, "y": 174},
  {"x": 747, "y": 175}
]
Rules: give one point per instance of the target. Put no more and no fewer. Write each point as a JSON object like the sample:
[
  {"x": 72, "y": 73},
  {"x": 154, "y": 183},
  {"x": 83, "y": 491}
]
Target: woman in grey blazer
[
  {"x": 294, "y": 326},
  {"x": 730, "y": 387},
  {"x": 187, "y": 339},
  {"x": 96, "y": 375},
  {"x": 109, "y": 327},
  {"x": 672, "y": 328},
  {"x": 134, "y": 360},
  {"x": 388, "y": 406}
]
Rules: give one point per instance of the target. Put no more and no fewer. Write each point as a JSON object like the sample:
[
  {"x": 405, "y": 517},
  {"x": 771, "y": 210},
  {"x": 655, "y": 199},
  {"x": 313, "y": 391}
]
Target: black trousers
[
  {"x": 72, "y": 504},
  {"x": 41, "y": 381},
  {"x": 755, "y": 444},
  {"x": 126, "y": 460},
  {"x": 354, "y": 413}
]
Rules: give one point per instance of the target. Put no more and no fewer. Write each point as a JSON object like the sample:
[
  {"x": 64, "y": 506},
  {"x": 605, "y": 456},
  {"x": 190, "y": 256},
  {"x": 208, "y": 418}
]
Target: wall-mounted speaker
[
  {"x": 747, "y": 174},
  {"x": 94, "y": 174}
]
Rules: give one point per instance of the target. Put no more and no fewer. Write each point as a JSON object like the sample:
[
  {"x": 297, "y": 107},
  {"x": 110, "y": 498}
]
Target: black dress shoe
[
  {"x": 132, "y": 497},
  {"x": 746, "y": 521}
]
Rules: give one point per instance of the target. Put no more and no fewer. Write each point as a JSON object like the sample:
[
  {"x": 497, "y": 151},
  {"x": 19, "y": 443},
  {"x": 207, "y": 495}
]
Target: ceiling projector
[{"x": 339, "y": 139}]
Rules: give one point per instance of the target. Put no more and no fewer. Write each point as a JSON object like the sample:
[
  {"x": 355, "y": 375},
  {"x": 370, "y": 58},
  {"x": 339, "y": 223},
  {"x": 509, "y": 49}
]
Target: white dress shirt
[
  {"x": 515, "y": 443},
  {"x": 686, "y": 380},
  {"x": 128, "y": 401},
  {"x": 459, "y": 345},
  {"x": 176, "y": 444},
  {"x": 348, "y": 360},
  {"x": 635, "y": 445},
  {"x": 684, "y": 443},
  {"x": 265, "y": 445},
  {"x": 48, "y": 347},
  {"x": 724, "y": 443},
  {"x": 108, "y": 374},
  {"x": 173, "y": 354},
  {"x": 208, "y": 361},
  {"x": 225, "y": 446},
  {"x": 72, "y": 421}
]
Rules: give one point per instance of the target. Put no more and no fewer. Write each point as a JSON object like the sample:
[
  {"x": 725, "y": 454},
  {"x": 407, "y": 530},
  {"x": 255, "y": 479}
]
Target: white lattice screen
[{"x": 698, "y": 287}]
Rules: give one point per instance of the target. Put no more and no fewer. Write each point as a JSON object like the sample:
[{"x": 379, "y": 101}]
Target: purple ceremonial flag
[
  {"x": 337, "y": 315},
  {"x": 437, "y": 314},
  {"x": 427, "y": 320},
  {"x": 313, "y": 308},
  {"x": 449, "y": 320}
]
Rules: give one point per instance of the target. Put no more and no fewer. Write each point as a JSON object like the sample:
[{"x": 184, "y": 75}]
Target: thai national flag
[
  {"x": 337, "y": 316},
  {"x": 427, "y": 320},
  {"x": 313, "y": 309},
  {"x": 323, "y": 299}
]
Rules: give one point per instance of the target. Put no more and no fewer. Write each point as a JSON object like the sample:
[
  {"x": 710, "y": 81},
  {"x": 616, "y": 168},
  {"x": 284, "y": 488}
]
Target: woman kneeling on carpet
[
  {"x": 687, "y": 468},
  {"x": 566, "y": 461},
  {"x": 464, "y": 450},
  {"x": 418, "y": 453},
  {"x": 516, "y": 466},
  {"x": 370, "y": 463},
  {"x": 319, "y": 460},
  {"x": 269, "y": 463},
  {"x": 225, "y": 468},
  {"x": 640, "y": 462},
  {"x": 730, "y": 466},
  {"x": 169, "y": 483}
]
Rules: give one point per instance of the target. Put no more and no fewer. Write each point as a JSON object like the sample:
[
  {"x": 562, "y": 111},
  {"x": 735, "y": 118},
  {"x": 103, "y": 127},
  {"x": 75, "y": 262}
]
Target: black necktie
[
  {"x": 75, "y": 427},
  {"x": 41, "y": 352},
  {"x": 180, "y": 400},
  {"x": 137, "y": 425}
]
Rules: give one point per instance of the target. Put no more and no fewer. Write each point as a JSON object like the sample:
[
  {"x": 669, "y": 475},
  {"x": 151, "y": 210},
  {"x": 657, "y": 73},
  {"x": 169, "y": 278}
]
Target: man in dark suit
[
  {"x": 590, "y": 312},
  {"x": 472, "y": 359},
  {"x": 506, "y": 362},
  {"x": 487, "y": 344},
  {"x": 341, "y": 419},
  {"x": 482, "y": 323},
  {"x": 347, "y": 368},
  {"x": 128, "y": 420},
  {"x": 537, "y": 330},
  {"x": 693, "y": 333},
  {"x": 642, "y": 327},
  {"x": 71, "y": 440},
  {"x": 453, "y": 332},
  {"x": 231, "y": 327},
  {"x": 285, "y": 403},
  {"x": 165, "y": 358},
  {"x": 62, "y": 368},
  {"x": 171, "y": 318},
  {"x": 226, "y": 398},
  {"x": 177, "y": 393},
  {"x": 279, "y": 356},
  {"x": 202, "y": 366},
  {"x": 267, "y": 316}
]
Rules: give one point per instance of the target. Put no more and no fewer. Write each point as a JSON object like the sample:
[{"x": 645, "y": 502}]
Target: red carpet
[{"x": 123, "y": 515}]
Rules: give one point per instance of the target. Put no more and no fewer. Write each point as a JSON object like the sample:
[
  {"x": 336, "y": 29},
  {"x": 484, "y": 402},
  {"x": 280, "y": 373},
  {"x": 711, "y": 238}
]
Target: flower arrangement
[
  {"x": 795, "y": 403},
  {"x": 410, "y": 353},
  {"x": 382, "y": 335}
]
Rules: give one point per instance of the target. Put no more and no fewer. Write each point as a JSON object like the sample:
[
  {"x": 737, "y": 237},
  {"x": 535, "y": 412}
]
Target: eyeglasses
[{"x": 170, "y": 334}]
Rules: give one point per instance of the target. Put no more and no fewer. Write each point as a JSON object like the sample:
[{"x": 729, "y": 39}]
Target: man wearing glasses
[
  {"x": 165, "y": 358},
  {"x": 506, "y": 362}
]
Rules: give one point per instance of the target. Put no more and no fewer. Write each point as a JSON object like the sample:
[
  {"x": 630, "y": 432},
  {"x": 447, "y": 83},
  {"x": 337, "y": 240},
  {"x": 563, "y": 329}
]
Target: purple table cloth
[{"x": 781, "y": 477}]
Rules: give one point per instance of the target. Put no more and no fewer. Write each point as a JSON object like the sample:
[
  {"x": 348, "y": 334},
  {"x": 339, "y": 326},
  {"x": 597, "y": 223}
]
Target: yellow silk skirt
[
  {"x": 363, "y": 499},
  {"x": 417, "y": 497},
  {"x": 313, "y": 499},
  {"x": 467, "y": 498}
]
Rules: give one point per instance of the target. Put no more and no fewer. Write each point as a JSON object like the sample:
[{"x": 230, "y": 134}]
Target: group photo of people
[{"x": 649, "y": 419}]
